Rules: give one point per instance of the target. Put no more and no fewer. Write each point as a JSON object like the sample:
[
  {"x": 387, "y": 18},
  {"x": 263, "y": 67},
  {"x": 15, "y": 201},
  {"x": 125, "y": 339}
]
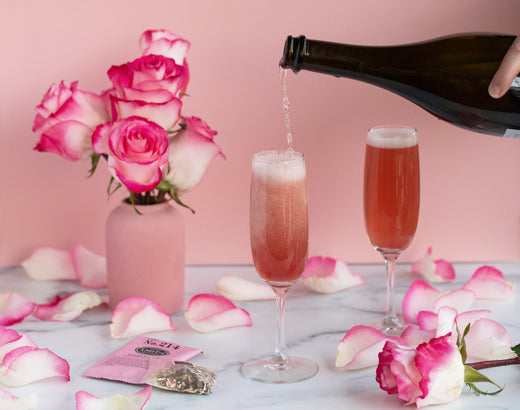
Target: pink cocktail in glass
[{"x": 279, "y": 241}]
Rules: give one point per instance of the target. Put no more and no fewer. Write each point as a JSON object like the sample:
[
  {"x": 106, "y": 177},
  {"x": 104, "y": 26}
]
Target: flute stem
[{"x": 280, "y": 347}]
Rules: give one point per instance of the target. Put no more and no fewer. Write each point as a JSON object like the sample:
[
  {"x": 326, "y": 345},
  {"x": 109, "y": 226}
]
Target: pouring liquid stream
[{"x": 285, "y": 107}]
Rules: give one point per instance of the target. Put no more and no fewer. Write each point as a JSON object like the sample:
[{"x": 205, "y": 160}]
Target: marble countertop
[{"x": 315, "y": 324}]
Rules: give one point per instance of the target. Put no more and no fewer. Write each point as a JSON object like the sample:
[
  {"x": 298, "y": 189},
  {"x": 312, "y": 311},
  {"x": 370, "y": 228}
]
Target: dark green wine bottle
[{"x": 449, "y": 76}]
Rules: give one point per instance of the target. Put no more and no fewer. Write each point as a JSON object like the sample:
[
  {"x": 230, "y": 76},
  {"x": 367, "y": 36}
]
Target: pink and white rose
[
  {"x": 150, "y": 87},
  {"x": 66, "y": 119},
  {"x": 137, "y": 151},
  {"x": 165, "y": 43},
  {"x": 416, "y": 378},
  {"x": 191, "y": 151}
]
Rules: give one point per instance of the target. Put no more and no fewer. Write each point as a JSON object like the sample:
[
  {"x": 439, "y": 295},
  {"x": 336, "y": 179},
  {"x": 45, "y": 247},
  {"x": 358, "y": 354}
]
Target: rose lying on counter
[{"x": 404, "y": 363}]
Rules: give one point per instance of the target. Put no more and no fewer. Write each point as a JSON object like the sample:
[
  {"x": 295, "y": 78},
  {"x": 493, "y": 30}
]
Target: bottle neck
[{"x": 292, "y": 51}]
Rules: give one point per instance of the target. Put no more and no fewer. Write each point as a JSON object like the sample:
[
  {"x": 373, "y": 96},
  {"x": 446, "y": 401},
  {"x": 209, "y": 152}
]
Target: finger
[{"x": 507, "y": 71}]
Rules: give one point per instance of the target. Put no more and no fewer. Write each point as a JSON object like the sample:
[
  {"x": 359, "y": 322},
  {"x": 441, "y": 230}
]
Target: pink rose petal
[
  {"x": 438, "y": 324},
  {"x": 435, "y": 271},
  {"x": 10, "y": 340},
  {"x": 360, "y": 347},
  {"x": 488, "y": 340},
  {"x": 420, "y": 296},
  {"x": 208, "y": 313},
  {"x": 91, "y": 268},
  {"x": 67, "y": 308},
  {"x": 489, "y": 283},
  {"x": 49, "y": 264},
  {"x": 25, "y": 365},
  {"x": 136, "y": 401},
  {"x": 137, "y": 315},
  {"x": 414, "y": 336},
  {"x": 14, "y": 308},
  {"x": 240, "y": 289},
  {"x": 471, "y": 316},
  {"x": 329, "y": 275},
  {"x": 11, "y": 402},
  {"x": 461, "y": 300},
  {"x": 7, "y": 335},
  {"x": 423, "y": 297}
]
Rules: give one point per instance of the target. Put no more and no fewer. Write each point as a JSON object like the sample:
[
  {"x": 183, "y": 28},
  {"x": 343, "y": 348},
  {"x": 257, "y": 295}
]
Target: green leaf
[
  {"x": 94, "y": 161},
  {"x": 516, "y": 349},
  {"x": 175, "y": 197},
  {"x": 461, "y": 342},
  {"x": 472, "y": 376},
  {"x": 132, "y": 201},
  {"x": 110, "y": 190}
]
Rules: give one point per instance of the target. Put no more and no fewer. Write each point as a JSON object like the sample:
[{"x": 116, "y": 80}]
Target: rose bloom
[
  {"x": 164, "y": 43},
  {"x": 191, "y": 151},
  {"x": 433, "y": 373},
  {"x": 66, "y": 119},
  {"x": 137, "y": 151},
  {"x": 150, "y": 87}
]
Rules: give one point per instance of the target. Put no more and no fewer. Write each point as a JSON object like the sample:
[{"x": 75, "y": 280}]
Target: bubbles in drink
[{"x": 285, "y": 106}]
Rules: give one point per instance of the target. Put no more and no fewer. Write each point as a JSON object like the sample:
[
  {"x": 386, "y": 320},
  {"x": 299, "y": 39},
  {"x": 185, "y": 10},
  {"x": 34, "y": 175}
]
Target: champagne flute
[
  {"x": 279, "y": 242},
  {"x": 391, "y": 201}
]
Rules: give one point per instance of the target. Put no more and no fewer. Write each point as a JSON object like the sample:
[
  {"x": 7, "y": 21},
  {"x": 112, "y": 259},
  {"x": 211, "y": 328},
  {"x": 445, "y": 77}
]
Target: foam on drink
[
  {"x": 282, "y": 165},
  {"x": 385, "y": 137}
]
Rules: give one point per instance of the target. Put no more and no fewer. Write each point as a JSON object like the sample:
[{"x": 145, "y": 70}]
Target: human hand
[{"x": 507, "y": 71}]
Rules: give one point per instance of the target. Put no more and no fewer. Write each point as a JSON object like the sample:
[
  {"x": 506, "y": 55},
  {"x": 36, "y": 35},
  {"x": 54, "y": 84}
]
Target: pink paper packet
[{"x": 133, "y": 362}]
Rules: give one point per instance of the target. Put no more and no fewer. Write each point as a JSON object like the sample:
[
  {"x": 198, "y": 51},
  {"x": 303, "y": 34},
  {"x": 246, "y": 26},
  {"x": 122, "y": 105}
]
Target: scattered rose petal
[
  {"x": 460, "y": 299},
  {"x": 207, "y": 313},
  {"x": 91, "y": 268},
  {"x": 7, "y": 335},
  {"x": 489, "y": 283},
  {"x": 431, "y": 325},
  {"x": 137, "y": 315},
  {"x": 329, "y": 275},
  {"x": 14, "y": 308},
  {"x": 471, "y": 316},
  {"x": 420, "y": 296},
  {"x": 435, "y": 271},
  {"x": 49, "y": 264},
  {"x": 136, "y": 401},
  {"x": 25, "y": 365},
  {"x": 488, "y": 340},
  {"x": 360, "y": 347},
  {"x": 10, "y": 340},
  {"x": 67, "y": 308},
  {"x": 447, "y": 320},
  {"x": 11, "y": 402},
  {"x": 240, "y": 289}
]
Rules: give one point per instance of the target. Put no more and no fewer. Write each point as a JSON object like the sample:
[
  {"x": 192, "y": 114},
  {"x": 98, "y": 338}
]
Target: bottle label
[{"x": 510, "y": 133}]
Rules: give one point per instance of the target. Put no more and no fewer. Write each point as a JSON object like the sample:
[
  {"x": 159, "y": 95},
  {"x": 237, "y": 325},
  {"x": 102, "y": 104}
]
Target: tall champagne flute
[
  {"x": 279, "y": 241},
  {"x": 391, "y": 200}
]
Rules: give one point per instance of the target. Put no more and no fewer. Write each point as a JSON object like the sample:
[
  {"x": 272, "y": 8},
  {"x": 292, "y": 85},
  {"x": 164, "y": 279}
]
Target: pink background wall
[{"x": 470, "y": 206}]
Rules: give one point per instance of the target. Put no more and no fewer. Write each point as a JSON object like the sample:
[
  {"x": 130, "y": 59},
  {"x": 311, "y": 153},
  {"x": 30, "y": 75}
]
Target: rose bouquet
[{"x": 136, "y": 126}]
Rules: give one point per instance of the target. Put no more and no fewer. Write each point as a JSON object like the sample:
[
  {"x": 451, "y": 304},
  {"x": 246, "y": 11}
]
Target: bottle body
[{"x": 449, "y": 77}]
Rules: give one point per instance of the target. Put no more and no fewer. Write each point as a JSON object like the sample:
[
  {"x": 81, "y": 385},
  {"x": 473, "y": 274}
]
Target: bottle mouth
[{"x": 292, "y": 52}]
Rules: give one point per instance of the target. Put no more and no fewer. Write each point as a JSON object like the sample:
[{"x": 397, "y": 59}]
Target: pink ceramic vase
[{"x": 146, "y": 254}]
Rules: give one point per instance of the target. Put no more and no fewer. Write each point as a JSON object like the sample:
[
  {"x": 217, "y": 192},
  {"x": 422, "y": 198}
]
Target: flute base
[
  {"x": 271, "y": 370},
  {"x": 391, "y": 326}
]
